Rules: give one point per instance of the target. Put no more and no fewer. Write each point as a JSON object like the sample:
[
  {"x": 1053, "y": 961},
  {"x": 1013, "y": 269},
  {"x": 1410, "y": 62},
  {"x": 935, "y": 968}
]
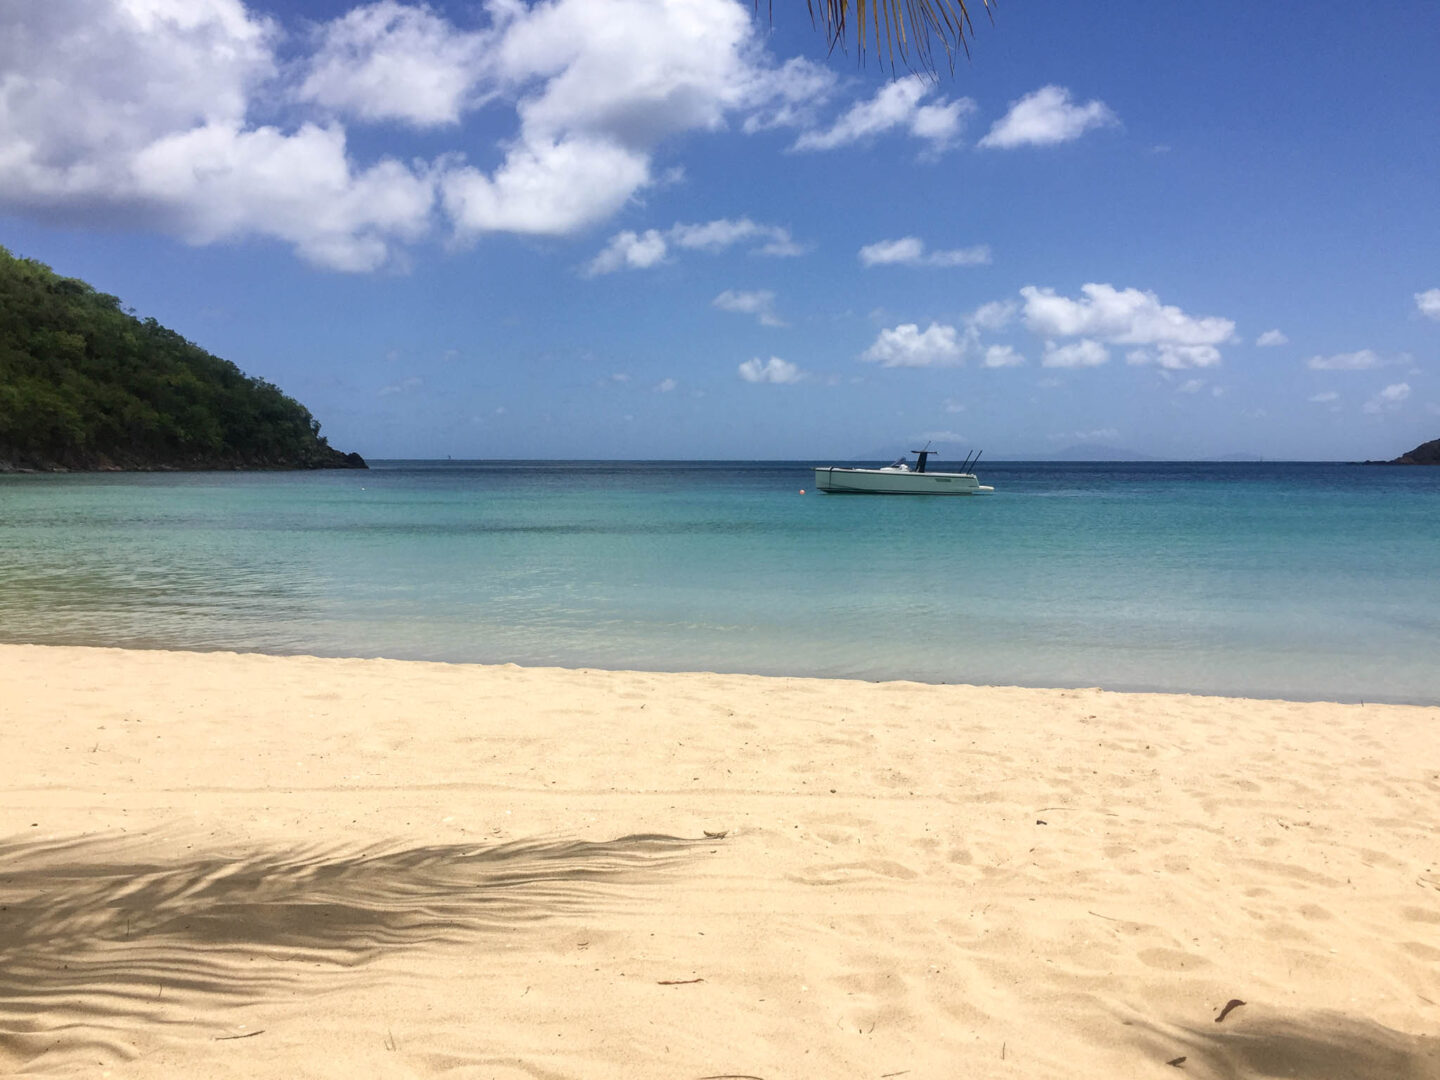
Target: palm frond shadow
[
  {"x": 110, "y": 932},
  {"x": 1302, "y": 1046}
]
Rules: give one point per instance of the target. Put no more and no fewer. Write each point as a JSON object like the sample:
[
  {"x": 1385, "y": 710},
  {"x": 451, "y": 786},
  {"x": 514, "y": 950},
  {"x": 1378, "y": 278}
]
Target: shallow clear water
[{"x": 1304, "y": 581}]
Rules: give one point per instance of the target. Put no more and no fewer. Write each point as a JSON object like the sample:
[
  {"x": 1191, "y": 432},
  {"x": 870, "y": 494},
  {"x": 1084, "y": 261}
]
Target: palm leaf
[{"x": 909, "y": 29}]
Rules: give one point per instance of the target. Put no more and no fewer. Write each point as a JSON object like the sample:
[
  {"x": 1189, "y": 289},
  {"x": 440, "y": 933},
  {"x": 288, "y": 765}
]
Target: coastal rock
[{"x": 1424, "y": 454}]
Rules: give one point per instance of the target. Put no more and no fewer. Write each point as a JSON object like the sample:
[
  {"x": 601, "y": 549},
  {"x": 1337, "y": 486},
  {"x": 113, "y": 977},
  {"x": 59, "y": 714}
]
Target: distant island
[{"x": 85, "y": 385}]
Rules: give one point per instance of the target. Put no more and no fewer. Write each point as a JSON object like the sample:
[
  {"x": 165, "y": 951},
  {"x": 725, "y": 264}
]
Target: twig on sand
[
  {"x": 246, "y": 1035},
  {"x": 676, "y": 982},
  {"x": 1233, "y": 1003},
  {"x": 1177, "y": 1062}
]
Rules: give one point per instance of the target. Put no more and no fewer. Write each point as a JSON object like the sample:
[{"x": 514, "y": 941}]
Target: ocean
[{"x": 1303, "y": 581}]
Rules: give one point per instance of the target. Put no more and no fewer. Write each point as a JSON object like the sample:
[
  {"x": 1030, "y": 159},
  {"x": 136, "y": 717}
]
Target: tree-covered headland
[{"x": 86, "y": 385}]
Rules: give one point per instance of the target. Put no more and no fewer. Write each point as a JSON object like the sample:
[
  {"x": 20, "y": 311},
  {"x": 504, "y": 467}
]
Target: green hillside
[{"x": 84, "y": 385}]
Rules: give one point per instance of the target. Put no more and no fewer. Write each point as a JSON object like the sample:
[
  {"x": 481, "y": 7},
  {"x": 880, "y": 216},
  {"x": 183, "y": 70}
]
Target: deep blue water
[{"x": 1291, "y": 580}]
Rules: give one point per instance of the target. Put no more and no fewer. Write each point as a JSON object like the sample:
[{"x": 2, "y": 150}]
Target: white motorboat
[{"x": 901, "y": 479}]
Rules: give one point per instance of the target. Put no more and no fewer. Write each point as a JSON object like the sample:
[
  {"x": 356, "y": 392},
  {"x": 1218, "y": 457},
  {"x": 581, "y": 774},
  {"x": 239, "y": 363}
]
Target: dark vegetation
[
  {"x": 1424, "y": 454},
  {"x": 84, "y": 384}
]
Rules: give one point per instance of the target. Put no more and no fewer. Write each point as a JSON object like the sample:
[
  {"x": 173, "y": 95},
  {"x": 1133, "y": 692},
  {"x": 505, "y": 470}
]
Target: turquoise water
[{"x": 1301, "y": 581}]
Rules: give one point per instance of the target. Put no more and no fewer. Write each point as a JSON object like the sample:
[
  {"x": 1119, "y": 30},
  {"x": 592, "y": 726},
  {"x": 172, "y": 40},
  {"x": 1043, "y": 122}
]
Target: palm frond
[{"x": 909, "y": 29}]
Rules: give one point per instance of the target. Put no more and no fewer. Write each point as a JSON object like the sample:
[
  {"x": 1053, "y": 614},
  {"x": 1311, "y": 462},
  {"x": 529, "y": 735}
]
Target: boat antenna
[{"x": 966, "y": 467}]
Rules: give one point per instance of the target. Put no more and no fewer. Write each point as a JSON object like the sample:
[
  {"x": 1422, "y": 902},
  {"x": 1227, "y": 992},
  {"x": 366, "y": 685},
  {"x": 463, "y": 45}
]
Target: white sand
[{"x": 400, "y": 869}]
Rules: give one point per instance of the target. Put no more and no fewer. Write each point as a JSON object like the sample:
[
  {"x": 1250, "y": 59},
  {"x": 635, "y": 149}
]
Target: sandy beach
[{"x": 244, "y": 865}]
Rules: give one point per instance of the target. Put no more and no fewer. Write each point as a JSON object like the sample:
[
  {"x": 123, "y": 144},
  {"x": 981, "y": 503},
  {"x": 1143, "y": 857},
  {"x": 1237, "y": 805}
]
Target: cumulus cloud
[
  {"x": 998, "y": 356},
  {"x": 1360, "y": 360},
  {"x": 995, "y": 315},
  {"x": 1173, "y": 339},
  {"x": 910, "y": 251},
  {"x": 1271, "y": 338},
  {"x": 1388, "y": 398},
  {"x": 897, "y": 106},
  {"x": 637, "y": 251},
  {"x": 664, "y": 386},
  {"x": 1046, "y": 117},
  {"x": 760, "y": 303},
  {"x": 629, "y": 251},
  {"x": 181, "y": 117},
  {"x": 1191, "y": 386},
  {"x": 1078, "y": 354},
  {"x": 907, "y": 345},
  {"x": 391, "y": 61},
  {"x": 139, "y": 112},
  {"x": 773, "y": 370},
  {"x": 1324, "y": 397},
  {"x": 599, "y": 86},
  {"x": 1428, "y": 303}
]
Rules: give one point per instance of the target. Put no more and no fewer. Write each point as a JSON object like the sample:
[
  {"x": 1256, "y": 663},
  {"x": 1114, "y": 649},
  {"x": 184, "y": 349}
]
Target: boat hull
[{"x": 837, "y": 481}]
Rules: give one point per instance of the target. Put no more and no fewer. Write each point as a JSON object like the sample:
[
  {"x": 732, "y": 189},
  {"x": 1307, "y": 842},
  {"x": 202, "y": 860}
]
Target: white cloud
[
  {"x": 1082, "y": 353},
  {"x": 998, "y": 356},
  {"x": 787, "y": 95},
  {"x": 1045, "y": 117},
  {"x": 1388, "y": 398},
  {"x": 546, "y": 187},
  {"x": 773, "y": 370},
  {"x": 1324, "y": 397},
  {"x": 713, "y": 236},
  {"x": 1129, "y": 317},
  {"x": 139, "y": 112},
  {"x": 1191, "y": 386},
  {"x": 629, "y": 251},
  {"x": 1361, "y": 360},
  {"x": 760, "y": 303},
  {"x": 180, "y": 116},
  {"x": 1271, "y": 338},
  {"x": 995, "y": 315},
  {"x": 1121, "y": 316},
  {"x": 895, "y": 106},
  {"x": 1428, "y": 303},
  {"x": 599, "y": 85},
  {"x": 908, "y": 346},
  {"x": 391, "y": 61},
  {"x": 664, "y": 386},
  {"x": 1176, "y": 357},
  {"x": 910, "y": 251}
]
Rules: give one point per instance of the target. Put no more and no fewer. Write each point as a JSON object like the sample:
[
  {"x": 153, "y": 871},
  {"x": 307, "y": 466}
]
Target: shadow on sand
[
  {"x": 1302, "y": 1046},
  {"x": 99, "y": 936}
]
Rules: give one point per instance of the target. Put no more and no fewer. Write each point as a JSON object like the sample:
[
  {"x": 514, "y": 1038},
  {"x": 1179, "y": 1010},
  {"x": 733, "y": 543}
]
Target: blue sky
[{"x": 674, "y": 228}]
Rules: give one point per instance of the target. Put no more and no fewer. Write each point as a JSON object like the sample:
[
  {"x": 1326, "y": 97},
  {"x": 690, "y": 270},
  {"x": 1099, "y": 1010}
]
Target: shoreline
[
  {"x": 279, "y": 865},
  {"x": 1224, "y": 695}
]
